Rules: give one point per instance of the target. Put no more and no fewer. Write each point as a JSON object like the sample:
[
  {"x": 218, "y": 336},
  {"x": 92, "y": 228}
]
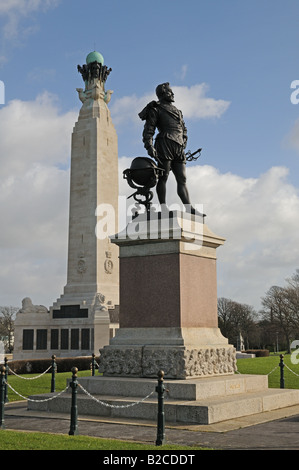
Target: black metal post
[
  {"x": 160, "y": 389},
  {"x": 54, "y": 367},
  {"x": 281, "y": 365},
  {"x": 6, "y": 400},
  {"x": 2, "y": 395},
  {"x": 74, "y": 410},
  {"x": 93, "y": 365}
]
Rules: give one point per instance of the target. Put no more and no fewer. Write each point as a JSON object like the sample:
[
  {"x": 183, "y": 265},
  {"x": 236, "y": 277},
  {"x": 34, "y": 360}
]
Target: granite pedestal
[{"x": 168, "y": 301}]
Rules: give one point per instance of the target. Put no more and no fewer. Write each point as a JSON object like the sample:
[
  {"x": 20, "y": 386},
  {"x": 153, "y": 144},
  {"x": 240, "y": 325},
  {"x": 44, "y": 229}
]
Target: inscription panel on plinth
[{"x": 70, "y": 311}]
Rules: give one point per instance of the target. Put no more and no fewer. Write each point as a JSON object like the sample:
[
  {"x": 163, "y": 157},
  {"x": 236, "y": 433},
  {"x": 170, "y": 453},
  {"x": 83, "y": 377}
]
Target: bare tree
[
  {"x": 292, "y": 295},
  {"x": 7, "y": 316},
  {"x": 236, "y": 318},
  {"x": 225, "y": 314},
  {"x": 279, "y": 305}
]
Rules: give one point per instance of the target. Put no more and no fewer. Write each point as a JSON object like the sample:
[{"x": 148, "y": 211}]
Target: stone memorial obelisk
[
  {"x": 92, "y": 260},
  {"x": 78, "y": 322}
]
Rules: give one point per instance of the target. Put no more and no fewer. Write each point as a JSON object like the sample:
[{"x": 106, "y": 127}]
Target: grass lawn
[
  {"x": 19, "y": 440},
  {"x": 40, "y": 385},
  {"x": 266, "y": 365}
]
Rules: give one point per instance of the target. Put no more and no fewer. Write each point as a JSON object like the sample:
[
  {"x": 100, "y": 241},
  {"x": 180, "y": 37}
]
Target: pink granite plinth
[
  {"x": 168, "y": 303},
  {"x": 168, "y": 290}
]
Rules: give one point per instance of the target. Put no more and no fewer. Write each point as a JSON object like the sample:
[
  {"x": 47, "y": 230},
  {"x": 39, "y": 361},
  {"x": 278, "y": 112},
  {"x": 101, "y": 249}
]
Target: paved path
[{"x": 281, "y": 433}]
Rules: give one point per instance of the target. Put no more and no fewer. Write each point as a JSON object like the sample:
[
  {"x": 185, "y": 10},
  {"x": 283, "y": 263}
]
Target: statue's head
[{"x": 164, "y": 92}]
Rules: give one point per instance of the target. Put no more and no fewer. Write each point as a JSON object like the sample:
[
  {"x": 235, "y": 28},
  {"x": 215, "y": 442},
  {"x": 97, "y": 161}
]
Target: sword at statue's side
[{"x": 190, "y": 157}]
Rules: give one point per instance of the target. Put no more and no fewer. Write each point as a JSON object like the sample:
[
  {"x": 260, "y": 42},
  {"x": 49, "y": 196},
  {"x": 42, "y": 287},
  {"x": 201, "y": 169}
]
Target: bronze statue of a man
[{"x": 170, "y": 142}]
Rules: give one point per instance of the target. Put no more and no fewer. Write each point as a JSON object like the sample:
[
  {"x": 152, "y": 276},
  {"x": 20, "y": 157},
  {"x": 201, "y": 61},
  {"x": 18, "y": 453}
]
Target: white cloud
[
  {"x": 196, "y": 105},
  {"x": 25, "y": 7},
  {"x": 125, "y": 110},
  {"x": 181, "y": 74},
  {"x": 35, "y": 141},
  {"x": 191, "y": 100},
  {"x": 33, "y": 238},
  {"x": 15, "y": 14},
  {"x": 34, "y": 132},
  {"x": 259, "y": 219}
]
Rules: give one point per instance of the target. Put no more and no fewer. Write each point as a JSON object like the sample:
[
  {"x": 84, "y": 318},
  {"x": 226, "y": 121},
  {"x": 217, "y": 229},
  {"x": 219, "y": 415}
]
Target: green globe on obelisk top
[{"x": 95, "y": 57}]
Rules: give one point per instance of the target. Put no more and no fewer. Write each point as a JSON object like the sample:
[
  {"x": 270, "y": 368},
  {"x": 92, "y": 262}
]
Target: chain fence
[
  {"x": 74, "y": 384},
  {"x": 66, "y": 388},
  {"x": 53, "y": 366},
  {"x": 290, "y": 370},
  {"x": 36, "y": 401},
  {"x": 31, "y": 378},
  {"x": 273, "y": 370},
  {"x": 114, "y": 406},
  {"x": 281, "y": 365}
]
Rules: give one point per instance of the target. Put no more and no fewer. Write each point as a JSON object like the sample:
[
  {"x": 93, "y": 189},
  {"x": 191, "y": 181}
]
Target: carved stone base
[{"x": 176, "y": 362}]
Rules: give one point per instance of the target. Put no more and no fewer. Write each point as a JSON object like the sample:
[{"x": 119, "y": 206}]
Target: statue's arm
[
  {"x": 185, "y": 137},
  {"x": 149, "y": 131}
]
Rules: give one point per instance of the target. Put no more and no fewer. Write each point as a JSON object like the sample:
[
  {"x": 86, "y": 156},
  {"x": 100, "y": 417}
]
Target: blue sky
[
  {"x": 245, "y": 52},
  {"x": 231, "y": 64}
]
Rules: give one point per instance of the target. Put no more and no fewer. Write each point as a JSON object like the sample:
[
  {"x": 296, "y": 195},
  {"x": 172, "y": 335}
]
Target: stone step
[
  {"x": 217, "y": 409},
  {"x": 204, "y": 411},
  {"x": 190, "y": 389}
]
